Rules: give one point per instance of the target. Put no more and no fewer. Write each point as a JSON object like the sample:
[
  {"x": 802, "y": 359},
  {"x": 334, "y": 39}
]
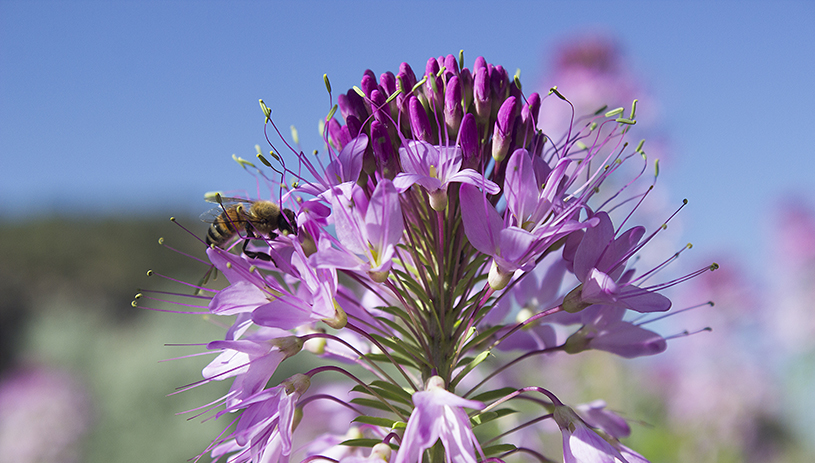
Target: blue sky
[{"x": 136, "y": 107}]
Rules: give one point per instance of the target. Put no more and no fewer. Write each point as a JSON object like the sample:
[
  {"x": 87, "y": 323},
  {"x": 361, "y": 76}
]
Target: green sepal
[
  {"x": 486, "y": 417},
  {"x": 376, "y": 421},
  {"x": 365, "y": 443},
  {"x": 496, "y": 449},
  {"x": 481, "y": 337},
  {"x": 496, "y": 394},
  {"x": 378, "y": 405},
  {"x": 474, "y": 363},
  {"x": 395, "y": 389},
  {"x": 396, "y": 357}
]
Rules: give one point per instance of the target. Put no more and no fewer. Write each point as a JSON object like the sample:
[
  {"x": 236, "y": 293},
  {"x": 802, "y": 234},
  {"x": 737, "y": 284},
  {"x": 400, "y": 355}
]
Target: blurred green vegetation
[{"x": 67, "y": 287}]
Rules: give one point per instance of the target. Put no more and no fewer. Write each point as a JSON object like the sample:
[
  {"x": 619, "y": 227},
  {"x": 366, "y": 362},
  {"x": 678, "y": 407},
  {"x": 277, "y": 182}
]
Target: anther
[
  {"x": 327, "y": 83},
  {"x": 614, "y": 112},
  {"x": 294, "y": 135},
  {"x": 264, "y": 160},
  {"x": 331, "y": 113},
  {"x": 714, "y": 266},
  {"x": 149, "y": 273},
  {"x": 172, "y": 219},
  {"x": 161, "y": 240},
  {"x": 266, "y": 111}
]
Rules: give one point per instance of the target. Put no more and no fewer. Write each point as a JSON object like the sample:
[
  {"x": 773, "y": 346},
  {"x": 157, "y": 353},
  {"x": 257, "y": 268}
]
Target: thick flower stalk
[{"x": 446, "y": 243}]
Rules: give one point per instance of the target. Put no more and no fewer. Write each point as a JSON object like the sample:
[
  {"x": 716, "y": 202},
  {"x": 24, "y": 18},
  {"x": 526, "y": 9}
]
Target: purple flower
[
  {"x": 511, "y": 246},
  {"x": 580, "y": 443},
  {"x": 604, "y": 329},
  {"x": 264, "y": 431},
  {"x": 370, "y": 228},
  {"x": 251, "y": 361},
  {"x": 435, "y": 167},
  {"x": 599, "y": 264},
  {"x": 439, "y": 415}
]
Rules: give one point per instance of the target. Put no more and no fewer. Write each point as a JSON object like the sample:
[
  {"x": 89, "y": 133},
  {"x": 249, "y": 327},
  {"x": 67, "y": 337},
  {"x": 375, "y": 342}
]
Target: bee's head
[{"x": 286, "y": 222}]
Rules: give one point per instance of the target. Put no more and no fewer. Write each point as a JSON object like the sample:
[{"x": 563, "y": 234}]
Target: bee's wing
[
  {"x": 225, "y": 202},
  {"x": 211, "y": 215}
]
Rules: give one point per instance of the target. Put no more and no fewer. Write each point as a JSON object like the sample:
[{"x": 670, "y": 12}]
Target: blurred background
[{"x": 116, "y": 115}]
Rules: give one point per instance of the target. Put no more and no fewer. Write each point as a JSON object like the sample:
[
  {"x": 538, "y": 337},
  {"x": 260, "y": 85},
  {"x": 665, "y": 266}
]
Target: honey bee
[{"x": 260, "y": 220}]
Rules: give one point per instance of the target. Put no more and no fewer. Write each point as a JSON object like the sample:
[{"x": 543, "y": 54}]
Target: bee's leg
[{"x": 255, "y": 255}]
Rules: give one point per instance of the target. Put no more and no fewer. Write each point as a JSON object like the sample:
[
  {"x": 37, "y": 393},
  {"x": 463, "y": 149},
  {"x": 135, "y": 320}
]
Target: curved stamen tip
[
  {"x": 172, "y": 219},
  {"x": 327, "y": 83},
  {"x": 714, "y": 266},
  {"x": 161, "y": 240},
  {"x": 150, "y": 273}
]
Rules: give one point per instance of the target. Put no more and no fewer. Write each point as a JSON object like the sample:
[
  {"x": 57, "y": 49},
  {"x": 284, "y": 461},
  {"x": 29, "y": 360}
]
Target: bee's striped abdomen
[{"x": 221, "y": 231}]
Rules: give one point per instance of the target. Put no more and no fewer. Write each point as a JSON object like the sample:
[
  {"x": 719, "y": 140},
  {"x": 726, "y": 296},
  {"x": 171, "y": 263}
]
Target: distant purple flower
[{"x": 439, "y": 415}]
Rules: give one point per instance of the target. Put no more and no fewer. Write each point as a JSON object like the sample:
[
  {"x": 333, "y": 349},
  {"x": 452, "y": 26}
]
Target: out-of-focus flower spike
[
  {"x": 453, "y": 112},
  {"x": 501, "y": 138}
]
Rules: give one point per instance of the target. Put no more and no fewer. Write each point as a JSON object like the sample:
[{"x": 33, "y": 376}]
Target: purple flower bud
[
  {"x": 339, "y": 134},
  {"x": 388, "y": 82},
  {"x": 352, "y": 103},
  {"x": 534, "y": 103},
  {"x": 408, "y": 77},
  {"x": 419, "y": 122},
  {"x": 452, "y": 107},
  {"x": 480, "y": 63},
  {"x": 433, "y": 86},
  {"x": 369, "y": 84},
  {"x": 379, "y": 108},
  {"x": 481, "y": 92},
  {"x": 354, "y": 125},
  {"x": 451, "y": 63},
  {"x": 499, "y": 81},
  {"x": 466, "y": 80},
  {"x": 503, "y": 128},
  {"x": 386, "y": 160},
  {"x": 468, "y": 139}
]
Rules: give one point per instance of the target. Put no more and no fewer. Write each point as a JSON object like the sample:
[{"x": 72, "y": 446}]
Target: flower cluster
[{"x": 445, "y": 240}]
